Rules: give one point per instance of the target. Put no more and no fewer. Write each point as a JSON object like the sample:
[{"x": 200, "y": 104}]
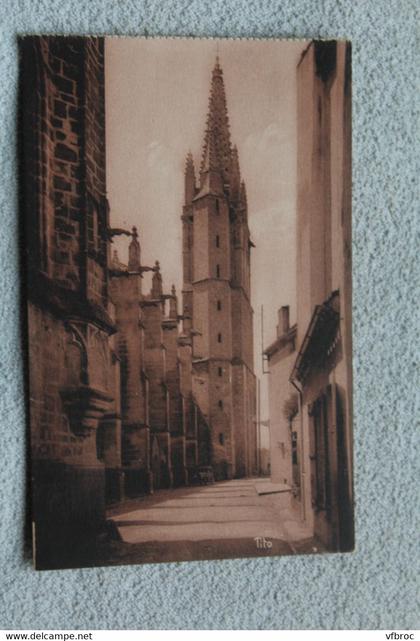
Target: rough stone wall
[
  {"x": 155, "y": 364},
  {"x": 70, "y": 363},
  {"x": 177, "y": 411},
  {"x": 94, "y": 98},
  {"x": 59, "y": 173},
  {"x": 170, "y": 341},
  {"x": 54, "y": 365},
  {"x": 129, "y": 340},
  {"x": 67, "y": 161},
  {"x": 94, "y": 135},
  {"x": 109, "y": 432}
]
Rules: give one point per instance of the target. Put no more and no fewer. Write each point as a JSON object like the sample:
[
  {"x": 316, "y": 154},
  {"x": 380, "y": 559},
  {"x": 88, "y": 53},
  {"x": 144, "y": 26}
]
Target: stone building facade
[
  {"x": 112, "y": 410},
  {"x": 321, "y": 370},
  {"x": 285, "y": 437},
  {"x": 71, "y": 369},
  {"x": 217, "y": 310},
  {"x": 127, "y": 395},
  {"x": 163, "y": 435}
]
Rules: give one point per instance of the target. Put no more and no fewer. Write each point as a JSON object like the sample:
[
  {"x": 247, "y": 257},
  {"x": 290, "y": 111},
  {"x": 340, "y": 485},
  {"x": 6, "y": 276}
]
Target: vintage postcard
[{"x": 187, "y": 208}]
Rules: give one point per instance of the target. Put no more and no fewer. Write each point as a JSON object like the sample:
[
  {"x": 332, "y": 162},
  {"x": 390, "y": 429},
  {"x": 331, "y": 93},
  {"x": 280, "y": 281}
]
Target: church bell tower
[{"x": 217, "y": 310}]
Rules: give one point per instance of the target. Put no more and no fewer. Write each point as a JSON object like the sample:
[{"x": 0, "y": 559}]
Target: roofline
[
  {"x": 304, "y": 52},
  {"x": 281, "y": 341},
  {"x": 327, "y": 305}
]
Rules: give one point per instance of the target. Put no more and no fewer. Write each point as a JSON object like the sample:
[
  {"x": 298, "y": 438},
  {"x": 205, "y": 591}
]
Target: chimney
[{"x": 283, "y": 318}]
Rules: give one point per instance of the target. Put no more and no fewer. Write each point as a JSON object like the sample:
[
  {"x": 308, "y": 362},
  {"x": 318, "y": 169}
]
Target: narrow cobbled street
[{"x": 225, "y": 520}]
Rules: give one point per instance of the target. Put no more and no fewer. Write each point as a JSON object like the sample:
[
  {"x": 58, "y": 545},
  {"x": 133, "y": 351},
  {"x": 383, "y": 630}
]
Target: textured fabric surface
[{"x": 373, "y": 587}]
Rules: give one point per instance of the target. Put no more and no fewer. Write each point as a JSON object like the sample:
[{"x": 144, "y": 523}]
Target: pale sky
[{"x": 156, "y": 105}]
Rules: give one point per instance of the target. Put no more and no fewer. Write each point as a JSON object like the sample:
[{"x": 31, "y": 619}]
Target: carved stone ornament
[{"x": 85, "y": 406}]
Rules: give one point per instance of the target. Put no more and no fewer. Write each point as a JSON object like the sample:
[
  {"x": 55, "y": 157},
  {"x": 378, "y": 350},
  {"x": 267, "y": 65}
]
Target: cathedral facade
[
  {"x": 162, "y": 437},
  {"x": 127, "y": 395},
  {"x": 217, "y": 311}
]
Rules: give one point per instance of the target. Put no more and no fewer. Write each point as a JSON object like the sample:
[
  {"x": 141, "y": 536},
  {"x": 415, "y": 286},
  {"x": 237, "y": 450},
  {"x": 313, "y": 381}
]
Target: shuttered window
[{"x": 319, "y": 453}]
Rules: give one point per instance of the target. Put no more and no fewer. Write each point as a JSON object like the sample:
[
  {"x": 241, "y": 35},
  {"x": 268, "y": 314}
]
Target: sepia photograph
[{"x": 186, "y": 206}]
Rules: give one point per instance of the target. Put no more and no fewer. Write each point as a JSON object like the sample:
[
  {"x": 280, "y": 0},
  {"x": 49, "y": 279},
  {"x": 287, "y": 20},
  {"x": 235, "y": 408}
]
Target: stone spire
[
  {"x": 235, "y": 175},
  {"x": 156, "y": 281},
  {"x": 134, "y": 252},
  {"x": 243, "y": 202},
  {"x": 173, "y": 304},
  {"x": 217, "y": 147},
  {"x": 189, "y": 179},
  {"x": 115, "y": 260}
]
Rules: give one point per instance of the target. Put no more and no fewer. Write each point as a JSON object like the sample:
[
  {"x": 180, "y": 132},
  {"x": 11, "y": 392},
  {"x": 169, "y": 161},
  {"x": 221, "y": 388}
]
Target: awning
[{"x": 319, "y": 339}]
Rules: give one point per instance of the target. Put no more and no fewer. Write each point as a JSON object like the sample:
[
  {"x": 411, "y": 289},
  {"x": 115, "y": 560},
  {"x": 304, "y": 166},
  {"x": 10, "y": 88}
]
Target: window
[
  {"x": 221, "y": 438},
  {"x": 220, "y": 403},
  {"x": 217, "y": 271},
  {"x": 294, "y": 449},
  {"x": 217, "y": 206},
  {"x": 219, "y": 305},
  {"x": 320, "y": 468},
  {"x": 219, "y": 337},
  {"x": 217, "y": 240},
  {"x": 220, "y": 371}
]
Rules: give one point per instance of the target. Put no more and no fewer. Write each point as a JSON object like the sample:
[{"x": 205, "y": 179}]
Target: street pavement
[{"x": 225, "y": 520}]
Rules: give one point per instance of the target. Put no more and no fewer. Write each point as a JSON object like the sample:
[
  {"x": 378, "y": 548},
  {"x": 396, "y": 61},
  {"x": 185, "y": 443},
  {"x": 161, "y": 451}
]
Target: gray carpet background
[{"x": 375, "y": 587}]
